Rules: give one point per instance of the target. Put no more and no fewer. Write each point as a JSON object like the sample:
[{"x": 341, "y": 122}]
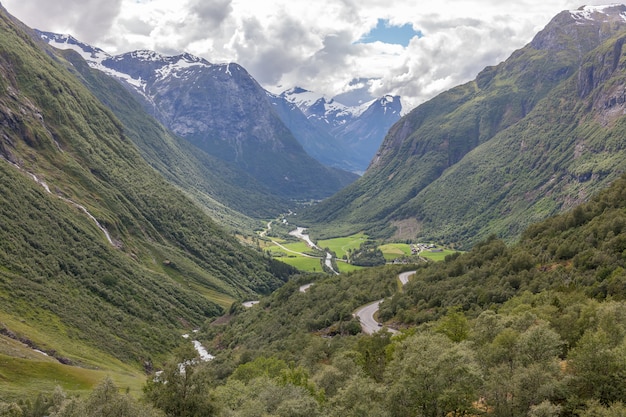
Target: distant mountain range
[
  {"x": 338, "y": 135},
  {"x": 222, "y": 110},
  {"x": 530, "y": 137}
]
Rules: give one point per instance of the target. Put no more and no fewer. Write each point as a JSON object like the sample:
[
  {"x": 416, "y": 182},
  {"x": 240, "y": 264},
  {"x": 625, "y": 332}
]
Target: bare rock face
[{"x": 220, "y": 109}]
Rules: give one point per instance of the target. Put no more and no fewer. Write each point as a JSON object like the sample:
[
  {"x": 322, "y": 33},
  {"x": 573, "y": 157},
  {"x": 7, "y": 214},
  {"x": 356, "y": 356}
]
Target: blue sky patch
[{"x": 387, "y": 33}]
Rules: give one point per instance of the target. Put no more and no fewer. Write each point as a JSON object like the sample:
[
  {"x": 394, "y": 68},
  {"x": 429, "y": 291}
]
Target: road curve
[
  {"x": 366, "y": 313},
  {"x": 404, "y": 277}
]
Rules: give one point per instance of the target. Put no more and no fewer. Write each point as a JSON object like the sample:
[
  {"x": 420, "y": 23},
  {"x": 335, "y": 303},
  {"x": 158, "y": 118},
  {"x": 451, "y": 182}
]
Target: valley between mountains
[{"x": 145, "y": 198}]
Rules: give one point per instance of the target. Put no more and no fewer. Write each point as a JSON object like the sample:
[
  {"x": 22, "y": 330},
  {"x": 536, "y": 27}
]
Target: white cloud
[{"x": 313, "y": 44}]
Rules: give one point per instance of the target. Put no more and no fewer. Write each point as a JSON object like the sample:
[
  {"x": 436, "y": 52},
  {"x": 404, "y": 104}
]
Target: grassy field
[
  {"x": 346, "y": 267},
  {"x": 436, "y": 256},
  {"x": 21, "y": 378},
  {"x": 341, "y": 245},
  {"x": 392, "y": 251},
  {"x": 24, "y": 373},
  {"x": 302, "y": 263}
]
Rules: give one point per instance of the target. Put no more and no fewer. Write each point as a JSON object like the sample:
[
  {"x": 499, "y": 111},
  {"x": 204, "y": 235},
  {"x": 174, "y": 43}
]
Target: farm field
[
  {"x": 392, "y": 251},
  {"x": 341, "y": 245},
  {"x": 288, "y": 252},
  {"x": 436, "y": 256},
  {"x": 346, "y": 267},
  {"x": 302, "y": 263}
]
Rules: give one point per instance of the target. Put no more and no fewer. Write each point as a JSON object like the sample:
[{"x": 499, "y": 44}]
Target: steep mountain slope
[
  {"x": 222, "y": 110},
  {"x": 525, "y": 139},
  {"x": 224, "y": 190},
  {"x": 339, "y": 135},
  {"x": 100, "y": 257}
]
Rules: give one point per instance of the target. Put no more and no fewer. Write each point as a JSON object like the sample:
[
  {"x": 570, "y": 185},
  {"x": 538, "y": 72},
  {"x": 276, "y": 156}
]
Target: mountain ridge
[
  {"x": 356, "y": 131},
  {"x": 222, "y": 110},
  {"x": 334, "y": 134},
  {"x": 408, "y": 186}
]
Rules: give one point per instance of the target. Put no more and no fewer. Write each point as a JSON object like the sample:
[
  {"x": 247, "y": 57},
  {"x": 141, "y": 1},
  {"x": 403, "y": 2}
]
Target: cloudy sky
[{"x": 351, "y": 48}]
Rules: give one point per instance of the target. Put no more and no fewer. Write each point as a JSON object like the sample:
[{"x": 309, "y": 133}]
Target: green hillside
[
  {"x": 102, "y": 261},
  {"x": 526, "y": 139},
  {"x": 533, "y": 329}
]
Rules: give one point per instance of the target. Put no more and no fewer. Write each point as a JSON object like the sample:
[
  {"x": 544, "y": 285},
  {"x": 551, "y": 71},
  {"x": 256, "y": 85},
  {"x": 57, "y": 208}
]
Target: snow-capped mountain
[
  {"x": 357, "y": 131},
  {"x": 340, "y": 136},
  {"x": 321, "y": 108},
  {"x": 597, "y": 13},
  {"x": 219, "y": 108}
]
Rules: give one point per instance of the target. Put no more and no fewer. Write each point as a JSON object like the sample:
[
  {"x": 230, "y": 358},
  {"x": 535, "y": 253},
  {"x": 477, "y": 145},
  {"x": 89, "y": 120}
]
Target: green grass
[
  {"x": 392, "y": 251},
  {"x": 24, "y": 372},
  {"x": 298, "y": 247},
  {"x": 436, "y": 256},
  {"x": 346, "y": 267},
  {"x": 341, "y": 245},
  {"x": 217, "y": 297},
  {"x": 303, "y": 263},
  {"x": 20, "y": 378}
]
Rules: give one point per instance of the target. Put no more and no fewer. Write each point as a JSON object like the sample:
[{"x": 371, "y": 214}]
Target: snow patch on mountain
[
  {"x": 175, "y": 68},
  {"x": 89, "y": 53},
  {"x": 94, "y": 56},
  {"x": 596, "y": 13},
  {"x": 315, "y": 105},
  {"x": 165, "y": 66}
]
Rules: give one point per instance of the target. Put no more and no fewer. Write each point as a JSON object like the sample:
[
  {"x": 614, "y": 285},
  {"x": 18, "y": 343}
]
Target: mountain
[
  {"x": 530, "y": 137},
  {"x": 343, "y": 136},
  {"x": 220, "y": 109},
  {"x": 231, "y": 196},
  {"x": 103, "y": 263}
]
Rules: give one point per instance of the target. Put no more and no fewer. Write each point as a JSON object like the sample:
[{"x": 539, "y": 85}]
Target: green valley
[
  {"x": 299, "y": 254},
  {"x": 526, "y": 139},
  {"x": 478, "y": 267}
]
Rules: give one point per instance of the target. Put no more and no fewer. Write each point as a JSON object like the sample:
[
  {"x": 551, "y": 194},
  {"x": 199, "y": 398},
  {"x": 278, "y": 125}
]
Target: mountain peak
[
  {"x": 296, "y": 90},
  {"x": 604, "y": 13},
  {"x": 585, "y": 27},
  {"x": 89, "y": 53}
]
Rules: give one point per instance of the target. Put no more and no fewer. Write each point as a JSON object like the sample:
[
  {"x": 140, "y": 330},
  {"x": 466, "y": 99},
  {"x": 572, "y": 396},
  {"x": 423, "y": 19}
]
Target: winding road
[{"x": 366, "y": 314}]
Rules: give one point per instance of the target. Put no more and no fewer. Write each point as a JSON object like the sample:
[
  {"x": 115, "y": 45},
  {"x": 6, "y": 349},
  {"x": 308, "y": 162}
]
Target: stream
[
  {"x": 299, "y": 233},
  {"x": 67, "y": 200}
]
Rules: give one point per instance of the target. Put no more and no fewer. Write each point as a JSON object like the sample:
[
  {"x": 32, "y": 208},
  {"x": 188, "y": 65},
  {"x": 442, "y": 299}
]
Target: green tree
[
  {"x": 182, "y": 388},
  {"x": 432, "y": 376},
  {"x": 374, "y": 354},
  {"x": 359, "y": 397},
  {"x": 595, "y": 409},
  {"x": 599, "y": 368},
  {"x": 261, "y": 366},
  {"x": 454, "y": 325},
  {"x": 105, "y": 401},
  {"x": 10, "y": 410},
  {"x": 538, "y": 344},
  {"x": 264, "y": 397},
  {"x": 545, "y": 409}
]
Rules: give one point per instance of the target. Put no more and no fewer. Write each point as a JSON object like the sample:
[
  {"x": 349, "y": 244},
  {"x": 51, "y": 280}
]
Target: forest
[{"x": 533, "y": 329}]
